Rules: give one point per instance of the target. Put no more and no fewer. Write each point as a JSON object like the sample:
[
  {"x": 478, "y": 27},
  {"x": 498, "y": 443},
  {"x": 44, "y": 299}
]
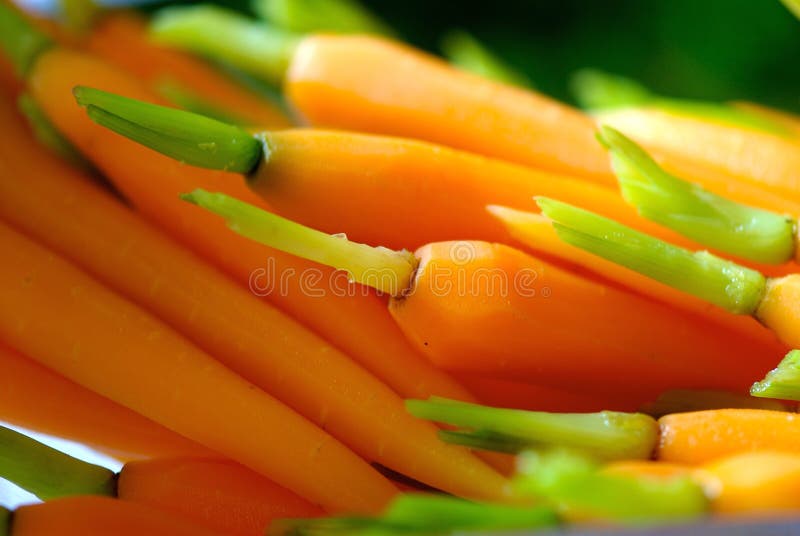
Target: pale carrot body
[
  {"x": 647, "y": 468},
  {"x": 100, "y": 516},
  {"x": 66, "y": 321},
  {"x": 373, "y": 85},
  {"x": 121, "y": 38},
  {"x": 488, "y": 308},
  {"x": 65, "y": 409},
  {"x": 252, "y": 338},
  {"x": 779, "y": 309},
  {"x": 219, "y": 494},
  {"x": 353, "y": 320},
  {"x": 702, "y": 436}
]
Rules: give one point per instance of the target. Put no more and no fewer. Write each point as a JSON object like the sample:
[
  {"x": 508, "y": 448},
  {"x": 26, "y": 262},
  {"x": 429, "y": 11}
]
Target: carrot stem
[
  {"x": 314, "y": 16},
  {"x": 468, "y": 54},
  {"x": 599, "y": 91},
  {"x": 181, "y": 135},
  {"x": 49, "y": 473},
  {"x": 225, "y": 35},
  {"x": 21, "y": 42},
  {"x": 576, "y": 486},
  {"x": 190, "y": 101},
  {"x": 783, "y": 382},
  {"x": 793, "y": 6},
  {"x": 426, "y": 514},
  {"x": 695, "y": 212},
  {"x": 729, "y": 285},
  {"x": 606, "y": 434},
  {"x": 384, "y": 269}
]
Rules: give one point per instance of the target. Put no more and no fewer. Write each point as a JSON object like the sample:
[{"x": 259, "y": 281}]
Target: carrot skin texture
[
  {"x": 319, "y": 297},
  {"x": 462, "y": 317},
  {"x": 60, "y": 317},
  {"x": 364, "y": 83},
  {"x": 100, "y": 516},
  {"x": 702, "y": 436},
  {"x": 67, "y": 410},
  {"x": 219, "y": 494},
  {"x": 245, "y": 334},
  {"x": 121, "y": 38}
]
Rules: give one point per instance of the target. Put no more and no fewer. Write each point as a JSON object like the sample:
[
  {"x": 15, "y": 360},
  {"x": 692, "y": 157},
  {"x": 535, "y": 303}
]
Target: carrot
[
  {"x": 472, "y": 306},
  {"x": 698, "y": 437},
  {"x": 121, "y": 39},
  {"x": 99, "y": 516},
  {"x": 67, "y": 410},
  {"x": 352, "y": 82},
  {"x": 788, "y": 121},
  {"x": 359, "y": 325},
  {"x": 66, "y": 321},
  {"x": 648, "y": 468},
  {"x": 538, "y": 234},
  {"x": 249, "y": 336},
  {"x": 217, "y": 493}
]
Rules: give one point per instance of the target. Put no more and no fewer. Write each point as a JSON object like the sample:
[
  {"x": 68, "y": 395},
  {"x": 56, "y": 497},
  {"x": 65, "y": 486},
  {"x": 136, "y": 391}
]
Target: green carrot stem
[
  {"x": 686, "y": 400},
  {"x": 49, "y": 473},
  {"x": 227, "y": 36},
  {"x": 181, "y": 135},
  {"x": 190, "y": 101},
  {"x": 78, "y": 15},
  {"x": 486, "y": 440},
  {"x": 576, "y": 487},
  {"x": 606, "y": 435},
  {"x": 597, "y": 91},
  {"x": 384, "y": 269},
  {"x": 425, "y": 514},
  {"x": 467, "y": 53},
  {"x": 782, "y": 382},
  {"x": 693, "y": 211},
  {"x": 19, "y": 40},
  {"x": 311, "y": 16},
  {"x": 793, "y": 6},
  {"x": 724, "y": 283},
  {"x": 47, "y": 134}
]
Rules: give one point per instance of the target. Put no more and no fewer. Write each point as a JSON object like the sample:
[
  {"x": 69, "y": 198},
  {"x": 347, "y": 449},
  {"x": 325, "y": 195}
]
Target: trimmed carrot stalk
[
  {"x": 782, "y": 382},
  {"x": 740, "y": 290},
  {"x": 330, "y": 16},
  {"x": 67, "y": 410},
  {"x": 537, "y": 233},
  {"x": 99, "y": 516},
  {"x": 753, "y": 483},
  {"x": 78, "y": 323},
  {"x": 472, "y": 306},
  {"x": 698, "y": 437},
  {"x": 793, "y": 6},
  {"x": 122, "y": 39},
  {"x": 219, "y": 494},
  {"x": 247, "y": 335},
  {"x": 357, "y": 324},
  {"x": 343, "y": 81}
]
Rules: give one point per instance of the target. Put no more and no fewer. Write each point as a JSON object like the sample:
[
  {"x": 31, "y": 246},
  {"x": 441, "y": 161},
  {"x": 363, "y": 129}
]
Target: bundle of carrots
[{"x": 397, "y": 295}]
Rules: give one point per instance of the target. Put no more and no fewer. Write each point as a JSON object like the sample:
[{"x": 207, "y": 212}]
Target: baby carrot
[
  {"x": 357, "y": 324},
  {"x": 697, "y": 437},
  {"x": 472, "y": 306},
  {"x": 99, "y": 516},
  {"x": 217, "y": 493},
  {"x": 66, "y": 321},
  {"x": 255, "y": 340},
  {"x": 121, "y": 38},
  {"x": 67, "y": 410}
]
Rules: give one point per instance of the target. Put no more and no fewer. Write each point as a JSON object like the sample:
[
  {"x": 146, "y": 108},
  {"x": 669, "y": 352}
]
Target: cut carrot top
[
  {"x": 693, "y": 211},
  {"x": 783, "y": 382},
  {"x": 724, "y": 283},
  {"x": 188, "y": 137}
]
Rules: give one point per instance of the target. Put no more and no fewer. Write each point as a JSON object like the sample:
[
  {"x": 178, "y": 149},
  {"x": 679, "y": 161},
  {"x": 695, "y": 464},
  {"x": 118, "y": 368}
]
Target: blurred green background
[{"x": 711, "y": 49}]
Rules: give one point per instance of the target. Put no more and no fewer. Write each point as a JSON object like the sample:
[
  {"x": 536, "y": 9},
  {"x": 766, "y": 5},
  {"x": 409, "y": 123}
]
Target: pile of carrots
[{"x": 336, "y": 306}]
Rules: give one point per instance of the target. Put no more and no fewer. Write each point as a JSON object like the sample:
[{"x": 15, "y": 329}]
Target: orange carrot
[
  {"x": 247, "y": 335},
  {"x": 647, "y": 468},
  {"x": 374, "y": 85},
  {"x": 67, "y": 410},
  {"x": 538, "y": 234},
  {"x": 99, "y": 516},
  {"x": 121, "y": 38},
  {"x": 66, "y": 321},
  {"x": 217, "y": 493},
  {"x": 701, "y": 436},
  {"x": 321, "y": 298},
  {"x": 461, "y": 316},
  {"x": 786, "y": 120}
]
